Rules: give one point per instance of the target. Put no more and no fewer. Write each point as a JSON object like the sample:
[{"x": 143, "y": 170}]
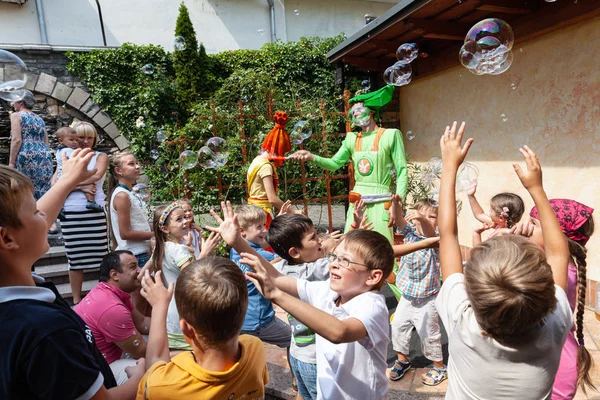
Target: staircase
[{"x": 53, "y": 267}]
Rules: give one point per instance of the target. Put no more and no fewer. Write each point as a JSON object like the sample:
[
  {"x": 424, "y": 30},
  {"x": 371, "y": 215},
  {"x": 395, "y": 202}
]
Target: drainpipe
[
  {"x": 41, "y": 21},
  {"x": 101, "y": 21},
  {"x": 272, "y": 11}
]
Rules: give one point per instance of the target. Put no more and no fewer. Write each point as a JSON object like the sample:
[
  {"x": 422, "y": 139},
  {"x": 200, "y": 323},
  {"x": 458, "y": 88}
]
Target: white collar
[{"x": 10, "y": 293}]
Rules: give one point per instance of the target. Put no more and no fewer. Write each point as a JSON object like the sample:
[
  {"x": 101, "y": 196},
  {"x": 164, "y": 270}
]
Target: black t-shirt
[{"x": 48, "y": 352}]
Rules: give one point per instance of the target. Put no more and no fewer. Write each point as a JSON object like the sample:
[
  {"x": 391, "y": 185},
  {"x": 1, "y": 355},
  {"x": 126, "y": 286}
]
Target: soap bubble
[
  {"x": 466, "y": 176},
  {"x": 154, "y": 154},
  {"x": 365, "y": 85},
  {"x": 13, "y": 79},
  {"x": 206, "y": 158},
  {"x": 136, "y": 342},
  {"x": 179, "y": 43},
  {"x": 188, "y": 159},
  {"x": 504, "y": 117},
  {"x": 487, "y": 47},
  {"x": 261, "y": 32},
  {"x": 407, "y": 52},
  {"x": 148, "y": 69},
  {"x": 301, "y": 131},
  {"x": 410, "y": 135},
  {"x": 360, "y": 115},
  {"x": 142, "y": 191},
  {"x": 431, "y": 172},
  {"x": 297, "y": 12},
  {"x": 399, "y": 74},
  {"x": 216, "y": 145},
  {"x": 161, "y": 136}
]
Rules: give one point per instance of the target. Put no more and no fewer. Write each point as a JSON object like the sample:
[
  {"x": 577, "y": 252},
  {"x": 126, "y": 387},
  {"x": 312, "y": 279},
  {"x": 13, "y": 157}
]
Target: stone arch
[{"x": 80, "y": 101}]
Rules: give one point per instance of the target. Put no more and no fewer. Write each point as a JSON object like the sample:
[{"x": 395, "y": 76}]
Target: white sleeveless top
[
  {"x": 138, "y": 221},
  {"x": 77, "y": 201}
]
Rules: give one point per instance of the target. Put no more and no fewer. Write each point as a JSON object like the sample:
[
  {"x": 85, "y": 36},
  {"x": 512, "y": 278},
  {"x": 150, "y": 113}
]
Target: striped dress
[{"x": 85, "y": 231}]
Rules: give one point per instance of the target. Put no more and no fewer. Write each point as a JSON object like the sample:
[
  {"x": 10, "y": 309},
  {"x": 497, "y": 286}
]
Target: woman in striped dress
[{"x": 85, "y": 231}]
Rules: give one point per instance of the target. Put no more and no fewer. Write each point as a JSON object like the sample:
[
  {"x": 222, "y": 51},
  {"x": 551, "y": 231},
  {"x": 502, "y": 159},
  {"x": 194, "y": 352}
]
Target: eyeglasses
[{"x": 342, "y": 262}]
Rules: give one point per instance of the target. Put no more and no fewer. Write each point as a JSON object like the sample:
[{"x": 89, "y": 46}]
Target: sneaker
[
  {"x": 399, "y": 369},
  {"x": 92, "y": 205}
]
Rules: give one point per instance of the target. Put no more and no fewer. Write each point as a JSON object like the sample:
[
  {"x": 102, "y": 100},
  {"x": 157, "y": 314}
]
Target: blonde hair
[
  {"x": 85, "y": 129},
  {"x": 510, "y": 286},
  {"x": 374, "y": 249},
  {"x": 427, "y": 204},
  {"x": 64, "y": 132},
  {"x": 249, "y": 214},
  {"x": 13, "y": 184},
  {"x": 211, "y": 295}
]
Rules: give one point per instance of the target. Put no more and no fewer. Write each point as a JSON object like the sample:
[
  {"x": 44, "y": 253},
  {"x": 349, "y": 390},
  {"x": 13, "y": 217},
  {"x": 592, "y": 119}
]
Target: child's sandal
[
  {"x": 399, "y": 369},
  {"x": 431, "y": 379}
]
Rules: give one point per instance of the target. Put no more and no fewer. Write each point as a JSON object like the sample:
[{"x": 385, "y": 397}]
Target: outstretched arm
[
  {"x": 407, "y": 248},
  {"x": 453, "y": 154},
  {"x": 555, "y": 244},
  {"x": 476, "y": 208},
  {"x": 229, "y": 229},
  {"x": 326, "y": 325},
  {"x": 159, "y": 297},
  {"x": 336, "y": 162}
]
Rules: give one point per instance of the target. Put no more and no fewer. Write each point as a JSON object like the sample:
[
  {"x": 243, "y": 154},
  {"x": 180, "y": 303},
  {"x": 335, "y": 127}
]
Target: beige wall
[
  {"x": 555, "y": 109},
  {"x": 219, "y": 24}
]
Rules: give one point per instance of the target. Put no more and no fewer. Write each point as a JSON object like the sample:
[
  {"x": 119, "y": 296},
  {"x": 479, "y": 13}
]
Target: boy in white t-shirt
[
  {"x": 507, "y": 316},
  {"x": 348, "y": 313}
]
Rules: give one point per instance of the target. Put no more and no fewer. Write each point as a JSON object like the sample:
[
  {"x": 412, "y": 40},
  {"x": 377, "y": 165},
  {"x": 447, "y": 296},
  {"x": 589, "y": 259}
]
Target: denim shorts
[
  {"x": 306, "y": 378},
  {"x": 142, "y": 259}
]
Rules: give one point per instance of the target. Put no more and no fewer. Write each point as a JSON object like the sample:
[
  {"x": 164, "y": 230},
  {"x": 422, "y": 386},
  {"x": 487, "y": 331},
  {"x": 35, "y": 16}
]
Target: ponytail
[
  {"x": 116, "y": 161},
  {"x": 159, "y": 248}
]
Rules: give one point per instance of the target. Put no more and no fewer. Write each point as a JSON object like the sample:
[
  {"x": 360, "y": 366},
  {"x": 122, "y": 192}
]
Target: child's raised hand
[
  {"x": 259, "y": 277},
  {"x": 285, "y": 207},
  {"x": 365, "y": 224},
  {"x": 472, "y": 189},
  {"x": 75, "y": 168},
  {"x": 532, "y": 178},
  {"x": 359, "y": 212},
  {"x": 331, "y": 242},
  {"x": 208, "y": 245},
  {"x": 395, "y": 210},
  {"x": 155, "y": 292},
  {"x": 483, "y": 228},
  {"x": 413, "y": 215},
  {"x": 523, "y": 228},
  {"x": 229, "y": 229},
  {"x": 453, "y": 152}
]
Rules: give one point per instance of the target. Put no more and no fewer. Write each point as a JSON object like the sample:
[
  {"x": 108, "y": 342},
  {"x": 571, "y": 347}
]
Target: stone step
[
  {"x": 65, "y": 289},
  {"x": 56, "y": 255},
  {"x": 59, "y": 273}
]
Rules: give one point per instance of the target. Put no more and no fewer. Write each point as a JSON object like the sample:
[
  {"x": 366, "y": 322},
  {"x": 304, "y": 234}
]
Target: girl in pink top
[{"x": 577, "y": 224}]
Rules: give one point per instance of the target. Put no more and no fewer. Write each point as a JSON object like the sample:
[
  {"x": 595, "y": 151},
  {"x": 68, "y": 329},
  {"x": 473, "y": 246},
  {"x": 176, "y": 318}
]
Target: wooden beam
[
  {"x": 458, "y": 10},
  {"x": 441, "y": 29},
  {"x": 434, "y": 8},
  {"x": 517, "y": 7},
  {"x": 370, "y": 64}
]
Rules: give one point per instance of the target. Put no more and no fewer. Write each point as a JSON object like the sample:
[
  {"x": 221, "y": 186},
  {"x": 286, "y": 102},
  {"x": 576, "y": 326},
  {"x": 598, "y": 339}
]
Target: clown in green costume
[{"x": 373, "y": 151}]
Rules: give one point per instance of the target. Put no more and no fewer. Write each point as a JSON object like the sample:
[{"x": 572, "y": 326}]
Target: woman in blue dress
[{"x": 29, "y": 152}]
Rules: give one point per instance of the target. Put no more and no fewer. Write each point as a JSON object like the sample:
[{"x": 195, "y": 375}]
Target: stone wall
[{"x": 61, "y": 100}]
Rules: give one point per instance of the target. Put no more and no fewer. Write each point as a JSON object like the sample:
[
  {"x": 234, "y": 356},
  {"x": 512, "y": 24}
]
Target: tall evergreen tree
[{"x": 191, "y": 65}]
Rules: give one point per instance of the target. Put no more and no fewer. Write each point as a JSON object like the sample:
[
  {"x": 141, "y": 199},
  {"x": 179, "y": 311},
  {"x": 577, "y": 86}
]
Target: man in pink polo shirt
[{"x": 109, "y": 312}]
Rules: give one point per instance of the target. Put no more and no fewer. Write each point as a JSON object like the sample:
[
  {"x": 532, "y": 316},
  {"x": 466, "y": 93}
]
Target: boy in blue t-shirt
[
  {"x": 51, "y": 352},
  {"x": 260, "y": 317}
]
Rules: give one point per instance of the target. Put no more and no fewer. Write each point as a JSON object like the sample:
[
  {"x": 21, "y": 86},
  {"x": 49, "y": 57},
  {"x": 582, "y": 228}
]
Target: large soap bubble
[
  {"x": 142, "y": 191},
  {"x": 431, "y": 172},
  {"x": 301, "y": 132},
  {"x": 466, "y": 176},
  {"x": 12, "y": 76},
  {"x": 407, "y": 52},
  {"x": 207, "y": 158},
  {"x": 218, "y": 146},
  {"x": 188, "y": 159},
  {"x": 179, "y": 43},
  {"x": 487, "y": 47},
  {"x": 399, "y": 74}
]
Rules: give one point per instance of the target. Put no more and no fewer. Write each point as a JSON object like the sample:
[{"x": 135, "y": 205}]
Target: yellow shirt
[
  {"x": 183, "y": 378},
  {"x": 257, "y": 188}
]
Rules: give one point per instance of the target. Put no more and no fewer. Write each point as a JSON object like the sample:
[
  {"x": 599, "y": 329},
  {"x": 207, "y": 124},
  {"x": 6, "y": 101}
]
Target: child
[
  {"x": 198, "y": 246},
  {"x": 68, "y": 141},
  {"x": 47, "y": 351},
  {"x": 211, "y": 299},
  {"x": 296, "y": 240},
  {"x": 506, "y": 209},
  {"x": 348, "y": 312},
  {"x": 577, "y": 224},
  {"x": 419, "y": 281},
  {"x": 260, "y": 318},
  {"x": 507, "y": 316},
  {"x": 128, "y": 218},
  {"x": 170, "y": 257}
]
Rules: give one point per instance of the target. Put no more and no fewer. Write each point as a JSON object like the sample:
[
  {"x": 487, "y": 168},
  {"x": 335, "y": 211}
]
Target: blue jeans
[
  {"x": 306, "y": 378},
  {"x": 142, "y": 259}
]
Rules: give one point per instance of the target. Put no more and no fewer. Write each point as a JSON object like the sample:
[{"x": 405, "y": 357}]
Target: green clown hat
[{"x": 375, "y": 100}]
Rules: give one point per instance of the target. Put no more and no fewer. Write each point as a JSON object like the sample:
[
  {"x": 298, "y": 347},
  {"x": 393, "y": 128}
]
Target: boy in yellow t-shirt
[{"x": 211, "y": 298}]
